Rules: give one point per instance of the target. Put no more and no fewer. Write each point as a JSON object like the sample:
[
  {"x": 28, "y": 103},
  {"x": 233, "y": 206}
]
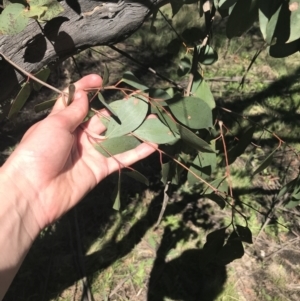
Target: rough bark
[{"x": 39, "y": 45}]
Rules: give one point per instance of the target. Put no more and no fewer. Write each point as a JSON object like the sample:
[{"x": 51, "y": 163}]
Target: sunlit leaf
[
  {"x": 20, "y": 100},
  {"x": 54, "y": 8},
  {"x": 35, "y": 12},
  {"x": 12, "y": 19},
  {"x": 117, "y": 145},
  {"x": 265, "y": 163},
  {"x": 193, "y": 112},
  {"x": 294, "y": 7},
  {"x": 130, "y": 79},
  {"x": 131, "y": 112},
  {"x": 153, "y": 130},
  {"x": 271, "y": 25}
]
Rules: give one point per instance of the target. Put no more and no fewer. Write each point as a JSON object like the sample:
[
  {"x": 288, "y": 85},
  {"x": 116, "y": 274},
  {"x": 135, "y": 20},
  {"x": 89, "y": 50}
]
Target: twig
[{"x": 32, "y": 76}]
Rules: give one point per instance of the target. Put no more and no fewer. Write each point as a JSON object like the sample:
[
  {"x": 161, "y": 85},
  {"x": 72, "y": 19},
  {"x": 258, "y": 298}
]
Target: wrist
[
  {"x": 18, "y": 227},
  {"x": 19, "y": 205}
]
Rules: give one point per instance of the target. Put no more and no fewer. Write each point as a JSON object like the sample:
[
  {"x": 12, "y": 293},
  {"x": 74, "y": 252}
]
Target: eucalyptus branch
[{"x": 32, "y": 76}]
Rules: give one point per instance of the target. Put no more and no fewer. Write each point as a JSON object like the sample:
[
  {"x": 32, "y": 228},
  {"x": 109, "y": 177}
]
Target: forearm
[{"x": 18, "y": 229}]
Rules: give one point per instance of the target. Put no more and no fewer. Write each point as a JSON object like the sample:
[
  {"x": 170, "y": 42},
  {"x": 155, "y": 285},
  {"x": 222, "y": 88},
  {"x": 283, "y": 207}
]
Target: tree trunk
[{"x": 42, "y": 44}]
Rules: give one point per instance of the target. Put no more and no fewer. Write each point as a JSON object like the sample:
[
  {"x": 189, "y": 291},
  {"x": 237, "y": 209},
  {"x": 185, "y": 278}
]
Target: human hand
[{"x": 56, "y": 163}]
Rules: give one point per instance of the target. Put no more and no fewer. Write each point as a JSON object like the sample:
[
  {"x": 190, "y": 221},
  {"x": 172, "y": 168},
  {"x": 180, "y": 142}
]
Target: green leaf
[
  {"x": 12, "y": 19},
  {"x": 265, "y": 163},
  {"x": 152, "y": 130},
  {"x": 224, "y": 4},
  {"x": 268, "y": 16},
  {"x": 131, "y": 80},
  {"x": 294, "y": 7},
  {"x": 116, "y": 195},
  {"x": 166, "y": 119},
  {"x": 193, "y": 140},
  {"x": 20, "y": 100},
  {"x": 54, "y": 8},
  {"x": 117, "y": 145},
  {"x": 171, "y": 171},
  {"x": 35, "y": 12},
  {"x": 44, "y": 105},
  {"x": 134, "y": 174},
  {"x": 106, "y": 105},
  {"x": 220, "y": 184},
  {"x": 159, "y": 94},
  {"x": 167, "y": 172},
  {"x": 184, "y": 66},
  {"x": 201, "y": 89},
  {"x": 42, "y": 75},
  {"x": 271, "y": 27},
  {"x": 203, "y": 165},
  {"x": 89, "y": 115},
  {"x": 217, "y": 199},
  {"x": 207, "y": 55},
  {"x": 131, "y": 112},
  {"x": 192, "y": 112},
  {"x": 242, "y": 17},
  {"x": 241, "y": 146},
  {"x": 244, "y": 234},
  {"x": 287, "y": 188},
  {"x": 105, "y": 76},
  {"x": 292, "y": 203}
]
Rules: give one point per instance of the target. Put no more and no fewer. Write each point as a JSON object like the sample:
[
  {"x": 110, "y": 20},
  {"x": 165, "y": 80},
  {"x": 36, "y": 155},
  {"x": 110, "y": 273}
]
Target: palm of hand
[{"x": 58, "y": 161}]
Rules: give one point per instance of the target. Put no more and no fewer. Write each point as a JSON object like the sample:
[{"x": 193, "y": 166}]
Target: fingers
[
  {"x": 70, "y": 117},
  {"x": 130, "y": 157},
  {"x": 87, "y": 82},
  {"x": 94, "y": 124}
]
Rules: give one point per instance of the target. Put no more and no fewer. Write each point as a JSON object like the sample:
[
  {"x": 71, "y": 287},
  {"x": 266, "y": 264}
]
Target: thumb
[{"x": 73, "y": 115}]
